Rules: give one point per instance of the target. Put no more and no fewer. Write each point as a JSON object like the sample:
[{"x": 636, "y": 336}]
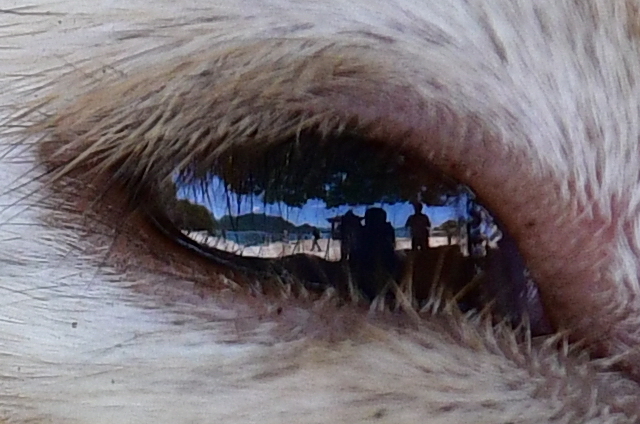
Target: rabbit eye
[{"x": 374, "y": 224}]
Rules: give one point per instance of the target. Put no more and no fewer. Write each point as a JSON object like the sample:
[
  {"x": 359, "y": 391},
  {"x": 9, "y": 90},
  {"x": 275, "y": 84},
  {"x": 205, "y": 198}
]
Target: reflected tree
[{"x": 347, "y": 171}]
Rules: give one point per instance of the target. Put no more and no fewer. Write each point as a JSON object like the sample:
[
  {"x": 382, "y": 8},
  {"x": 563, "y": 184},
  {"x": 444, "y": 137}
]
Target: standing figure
[
  {"x": 374, "y": 259},
  {"x": 316, "y": 237},
  {"x": 350, "y": 228},
  {"x": 420, "y": 226}
]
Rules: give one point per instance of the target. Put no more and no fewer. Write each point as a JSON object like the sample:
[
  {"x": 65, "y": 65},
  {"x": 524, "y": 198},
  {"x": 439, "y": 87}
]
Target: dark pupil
[{"x": 339, "y": 214}]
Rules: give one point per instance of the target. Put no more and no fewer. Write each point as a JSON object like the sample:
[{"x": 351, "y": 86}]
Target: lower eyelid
[{"x": 174, "y": 279}]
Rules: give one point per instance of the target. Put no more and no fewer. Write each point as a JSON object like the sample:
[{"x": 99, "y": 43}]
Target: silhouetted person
[
  {"x": 420, "y": 226},
  {"x": 350, "y": 228},
  {"x": 375, "y": 258},
  {"x": 316, "y": 237}
]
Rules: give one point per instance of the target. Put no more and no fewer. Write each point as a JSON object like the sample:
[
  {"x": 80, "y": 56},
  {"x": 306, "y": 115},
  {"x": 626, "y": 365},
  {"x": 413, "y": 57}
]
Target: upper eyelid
[
  {"x": 200, "y": 111},
  {"x": 158, "y": 119},
  {"x": 88, "y": 128},
  {"x": 184, "y": 113}
]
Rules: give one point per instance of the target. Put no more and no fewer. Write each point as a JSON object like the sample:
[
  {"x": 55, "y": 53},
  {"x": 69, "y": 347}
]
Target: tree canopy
[{"x": 343, "y": 172}]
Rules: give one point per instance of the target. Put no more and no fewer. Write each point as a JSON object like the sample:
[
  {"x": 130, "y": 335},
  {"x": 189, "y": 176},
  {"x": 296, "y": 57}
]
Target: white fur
[{"x": 132, "y": 358}]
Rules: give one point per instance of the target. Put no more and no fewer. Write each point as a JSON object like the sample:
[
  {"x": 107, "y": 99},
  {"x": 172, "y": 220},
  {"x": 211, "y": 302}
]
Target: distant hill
[
  {"x": 262, "y": 222},
  {"x": 190, "y": 216}
]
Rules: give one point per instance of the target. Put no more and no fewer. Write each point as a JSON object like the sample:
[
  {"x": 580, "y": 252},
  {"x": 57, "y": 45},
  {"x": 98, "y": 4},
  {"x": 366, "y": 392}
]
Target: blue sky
[{"x": 314, "y": 212}]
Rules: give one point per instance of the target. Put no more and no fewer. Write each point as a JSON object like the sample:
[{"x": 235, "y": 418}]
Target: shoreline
[{"x": 330, "y": 248}]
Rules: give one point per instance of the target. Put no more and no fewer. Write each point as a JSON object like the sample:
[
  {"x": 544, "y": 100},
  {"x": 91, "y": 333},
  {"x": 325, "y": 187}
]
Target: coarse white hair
[{"x": 532, "y": 104}]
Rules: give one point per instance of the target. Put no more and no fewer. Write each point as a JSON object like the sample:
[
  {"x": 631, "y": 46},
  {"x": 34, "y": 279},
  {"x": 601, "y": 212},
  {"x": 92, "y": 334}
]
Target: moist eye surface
[{"x": 345, "y": 213}]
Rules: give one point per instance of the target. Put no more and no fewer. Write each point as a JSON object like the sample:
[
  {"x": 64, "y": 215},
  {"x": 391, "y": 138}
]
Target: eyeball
[{"x": 376, "y": 225}]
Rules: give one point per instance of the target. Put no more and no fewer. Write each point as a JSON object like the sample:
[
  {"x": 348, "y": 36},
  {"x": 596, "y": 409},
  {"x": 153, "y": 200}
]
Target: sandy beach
[{"x": 330, "y": 249}]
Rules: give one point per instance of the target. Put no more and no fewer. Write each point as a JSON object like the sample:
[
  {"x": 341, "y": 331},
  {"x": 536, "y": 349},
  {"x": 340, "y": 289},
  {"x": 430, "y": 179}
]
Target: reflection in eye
[{"x": 373, "y": 224}]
